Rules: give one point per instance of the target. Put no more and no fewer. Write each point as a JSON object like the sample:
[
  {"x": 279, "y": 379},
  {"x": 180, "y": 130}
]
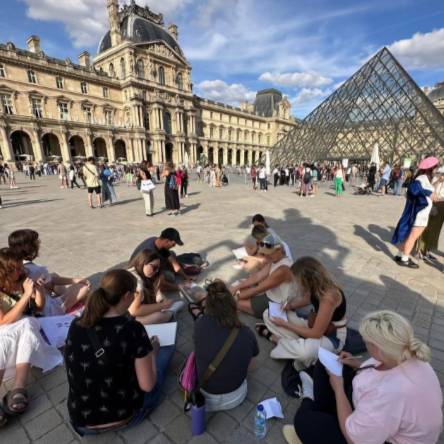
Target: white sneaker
[{"x": 307, "y": 385}]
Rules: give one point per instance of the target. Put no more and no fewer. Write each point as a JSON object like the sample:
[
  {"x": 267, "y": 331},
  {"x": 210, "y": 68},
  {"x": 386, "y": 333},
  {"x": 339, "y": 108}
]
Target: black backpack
[{"x": 307, "y": 177}]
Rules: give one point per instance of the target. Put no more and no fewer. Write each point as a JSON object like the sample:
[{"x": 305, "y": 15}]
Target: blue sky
[{"x": 305, "y": 48}]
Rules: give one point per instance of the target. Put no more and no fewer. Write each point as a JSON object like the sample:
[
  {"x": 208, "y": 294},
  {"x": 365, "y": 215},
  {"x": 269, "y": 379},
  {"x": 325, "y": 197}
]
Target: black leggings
[{"x": 316, "y": 422}]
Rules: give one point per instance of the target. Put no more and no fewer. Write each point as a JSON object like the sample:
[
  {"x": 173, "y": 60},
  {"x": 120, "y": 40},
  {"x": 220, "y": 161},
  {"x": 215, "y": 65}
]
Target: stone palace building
[{"x": 133, "y": 101}]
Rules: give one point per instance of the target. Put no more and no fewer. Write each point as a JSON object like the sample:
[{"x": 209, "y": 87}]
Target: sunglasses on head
[{"x": 266, "y": 245}]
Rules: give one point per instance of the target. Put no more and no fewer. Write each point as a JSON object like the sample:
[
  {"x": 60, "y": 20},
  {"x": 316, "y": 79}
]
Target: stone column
[
  {"x": 7, "y": 151},
  {"x": 64, "y": 146},
  {"x": 37, "y": 150},
  {"x": 250, "y": 157},
  {"x": 111, "y": 153},
  {"x": 89, "y": 150}
]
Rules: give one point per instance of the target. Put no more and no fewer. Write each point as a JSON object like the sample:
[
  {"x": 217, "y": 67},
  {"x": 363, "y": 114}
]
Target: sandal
[
  {"x": 3, "y": 417},
  {"x": 263, "y": 331},
  {"x": 15, "y": 398}
]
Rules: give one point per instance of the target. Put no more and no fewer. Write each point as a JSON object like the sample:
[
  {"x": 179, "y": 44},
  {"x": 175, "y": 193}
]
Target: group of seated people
[{"x": 116, "y": 372}]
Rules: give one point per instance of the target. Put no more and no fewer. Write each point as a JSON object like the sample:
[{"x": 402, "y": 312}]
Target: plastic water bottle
[{"x": 260, "y": 422}]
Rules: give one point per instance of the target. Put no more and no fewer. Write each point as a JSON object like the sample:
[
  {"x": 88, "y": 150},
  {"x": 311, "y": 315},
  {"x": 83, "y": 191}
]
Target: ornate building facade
[{"x": 133, "y": 101}]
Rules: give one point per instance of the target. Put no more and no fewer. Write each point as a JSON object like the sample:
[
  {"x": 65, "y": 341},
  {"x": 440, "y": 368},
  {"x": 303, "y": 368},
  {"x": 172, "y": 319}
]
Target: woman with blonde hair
[
  {"x": 298, "y": 338},
  {"x": 393, "y": 397}
]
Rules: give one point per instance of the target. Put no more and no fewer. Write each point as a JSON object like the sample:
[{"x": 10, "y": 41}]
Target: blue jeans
[
  {"x": 150, "y": 401},
  {"x": 398, "y": 186}
]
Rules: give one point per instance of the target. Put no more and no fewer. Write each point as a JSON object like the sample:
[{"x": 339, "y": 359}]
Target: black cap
[{"x": 171, "y": 234}]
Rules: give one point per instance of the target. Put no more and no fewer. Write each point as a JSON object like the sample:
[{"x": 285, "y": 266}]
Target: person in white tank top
[{"x": 273, "y": 283}]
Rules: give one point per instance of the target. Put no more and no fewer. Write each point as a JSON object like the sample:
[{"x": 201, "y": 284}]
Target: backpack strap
[{"x": 219, "y": 357}]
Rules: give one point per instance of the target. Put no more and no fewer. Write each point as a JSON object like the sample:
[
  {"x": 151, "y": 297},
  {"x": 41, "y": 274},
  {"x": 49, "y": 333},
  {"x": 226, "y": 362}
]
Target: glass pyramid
[{"x": 380, "y": 105}]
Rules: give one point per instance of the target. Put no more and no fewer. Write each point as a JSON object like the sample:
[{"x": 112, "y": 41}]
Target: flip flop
[{"x": 263, "y": 331}]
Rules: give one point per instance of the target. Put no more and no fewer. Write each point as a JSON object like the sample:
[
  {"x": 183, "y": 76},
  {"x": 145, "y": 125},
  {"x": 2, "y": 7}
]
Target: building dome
[
  {"x": 140, "y": 25},
  {"x": 267, "y": 101},
  {"x": 437, "y": 93}
]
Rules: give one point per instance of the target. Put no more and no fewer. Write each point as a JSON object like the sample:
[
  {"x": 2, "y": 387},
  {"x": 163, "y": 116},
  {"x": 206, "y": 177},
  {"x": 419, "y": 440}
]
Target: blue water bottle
[{"x": 260, "y": 422}]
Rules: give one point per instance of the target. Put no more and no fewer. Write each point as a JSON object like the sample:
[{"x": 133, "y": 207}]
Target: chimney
[
  {"x": 172, "y": 29},
  {"x": 114, "y": 22},
  {"x": 34, "y": 44},
  {"x": 84, "y": 59}
]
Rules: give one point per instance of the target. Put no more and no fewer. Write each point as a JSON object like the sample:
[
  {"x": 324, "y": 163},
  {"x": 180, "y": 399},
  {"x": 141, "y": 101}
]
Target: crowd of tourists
[{"x": 116, "y": 372}]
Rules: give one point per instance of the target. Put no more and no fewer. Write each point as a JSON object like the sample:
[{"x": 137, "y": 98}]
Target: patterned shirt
[{"x": 102, "y": 393}]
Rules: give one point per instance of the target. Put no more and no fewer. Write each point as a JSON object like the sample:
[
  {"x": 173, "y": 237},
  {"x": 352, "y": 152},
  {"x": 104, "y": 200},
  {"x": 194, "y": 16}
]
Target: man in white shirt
[{"x": 263, "y": 178}]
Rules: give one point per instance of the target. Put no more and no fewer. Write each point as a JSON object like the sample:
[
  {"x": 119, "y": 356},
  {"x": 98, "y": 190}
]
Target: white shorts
[{"x": 422, "y": 218}]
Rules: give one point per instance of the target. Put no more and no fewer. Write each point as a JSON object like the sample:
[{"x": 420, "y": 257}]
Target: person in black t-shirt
[
  {"x": 227, "y": 387},
  {"x": 115, "y": 373}
]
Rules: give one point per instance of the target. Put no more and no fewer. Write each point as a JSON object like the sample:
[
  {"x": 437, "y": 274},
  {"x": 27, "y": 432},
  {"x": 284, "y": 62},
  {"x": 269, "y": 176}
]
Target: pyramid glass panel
[{"x": 379, "y": 105}]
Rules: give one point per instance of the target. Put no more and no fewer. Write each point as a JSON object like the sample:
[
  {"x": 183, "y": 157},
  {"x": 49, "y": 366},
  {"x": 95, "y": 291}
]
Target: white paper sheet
[
  {"x": 165, "y": 332},
  {"x": 272, "y": 408},
  {"x": 275, "y": 311},
  {"x": 240, "y": 253},
  {"x": 330, "y": 361},
  {"x": 56, "y": 328}
]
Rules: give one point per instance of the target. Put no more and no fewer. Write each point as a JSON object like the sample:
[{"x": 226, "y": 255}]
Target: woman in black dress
[{"x": 171, "y": 191}]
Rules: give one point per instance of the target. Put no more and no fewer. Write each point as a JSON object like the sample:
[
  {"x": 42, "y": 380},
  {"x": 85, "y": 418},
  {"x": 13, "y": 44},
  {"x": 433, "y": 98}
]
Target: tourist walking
[
  {"x": 2, "y": 173},
  {"x": 31, "y": 171},
  {"x": 263, "y": 178},
  {"x": 92, "y": 179},
  {"x": 253, "y": 175},
  {"x": 171, "y": 191},
  {"x": 184, "y": 183},
  {"x": 72, "y": 177},
  {"x": 415, "y": 217},
  {"x": 339, "y": 181},
  {"x": 275, "y": 177},
  {"x": 371, "y": 177},
  {"x": 11, "y": 176},
  {"x": 146, "y": 186},
  {"x": 63, "y": 175},
  {"x": 107, "y": 178}
]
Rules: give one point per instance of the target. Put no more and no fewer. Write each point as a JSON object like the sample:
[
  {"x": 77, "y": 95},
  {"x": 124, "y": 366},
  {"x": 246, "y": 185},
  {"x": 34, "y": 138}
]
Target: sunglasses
[{"x": 266, "y": 245}]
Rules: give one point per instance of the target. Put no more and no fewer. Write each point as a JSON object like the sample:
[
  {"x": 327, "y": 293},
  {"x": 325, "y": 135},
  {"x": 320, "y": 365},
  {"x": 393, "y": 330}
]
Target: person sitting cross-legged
[
  {"x": 149, "y": 305},
  {"x": 394, "y": 397},
  {"x": 226, "y": 388},
  {"x": 21, "y": 345},
  {"x": 274, "y": 282},
  {"x": 115, "y": 372},
  {"x": 298, "y": 338}
]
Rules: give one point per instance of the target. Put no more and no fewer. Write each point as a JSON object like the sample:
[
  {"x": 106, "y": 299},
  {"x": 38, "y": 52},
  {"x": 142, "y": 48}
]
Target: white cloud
[
  {"x": 208, "y": 51},
  {"x": 296, "y": 79},
  {"x": 221, "y": 91},
  {"x": 307, "y": 95},
  {"x": 422, "y": 51},
  {"x": 86, "y": 21}
]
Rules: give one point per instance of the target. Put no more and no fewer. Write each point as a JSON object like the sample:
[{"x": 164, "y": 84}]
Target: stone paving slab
[{"x": 350, "y": 235}]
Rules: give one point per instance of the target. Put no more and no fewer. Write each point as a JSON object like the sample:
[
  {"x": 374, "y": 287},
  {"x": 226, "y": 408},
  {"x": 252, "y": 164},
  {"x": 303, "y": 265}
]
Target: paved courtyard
[{"x": 350, "y": 235}]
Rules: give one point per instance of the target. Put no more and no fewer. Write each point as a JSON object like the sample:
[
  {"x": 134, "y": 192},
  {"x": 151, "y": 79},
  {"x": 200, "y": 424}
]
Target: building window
[
  {"x": 122, "y": 68},
  {"x": 211, "y": 132},
  {"x": 105, "y": 92},
  {"x": 108, "y": 117},
  {"x": 221, "y": 133},
  {"x": 59, "y": 82},
  {"x": 268, "y": 140},
  {"x": 211, "y": 114},
  {"x": 260, "y": 139},
  {"x": 31, "y": 76},
  {"x": 161, "y": 76},
  {"x": 84, "y": 87},
  {"x": 37, "y": 110},
  {"x": 2, "y": 70},
  {"x": 112, "y": 73},
  {"x": 179, "y": 81},
  {"x": 63, "y": 109},
  {"x": 167, "y": 122},
  {"x": 140, "y": 69},
  {"x": 6, "y": 103},
  {"x": 88, "y": 114}
]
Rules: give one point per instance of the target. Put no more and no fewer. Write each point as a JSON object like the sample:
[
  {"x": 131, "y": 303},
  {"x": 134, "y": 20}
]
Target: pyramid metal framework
[{"x": 380, "y": 105}]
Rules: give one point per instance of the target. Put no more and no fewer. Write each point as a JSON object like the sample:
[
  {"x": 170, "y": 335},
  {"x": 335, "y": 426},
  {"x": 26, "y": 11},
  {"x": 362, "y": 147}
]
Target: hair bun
[{"x": 419, "y": 349}]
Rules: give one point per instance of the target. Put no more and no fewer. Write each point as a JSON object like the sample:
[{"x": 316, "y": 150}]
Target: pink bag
[{"x": 188, "y": 375}]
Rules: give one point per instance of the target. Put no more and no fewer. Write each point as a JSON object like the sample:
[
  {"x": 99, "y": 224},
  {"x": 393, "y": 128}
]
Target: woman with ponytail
[
  {"x": 393, "y": 397},
  {"x": 115, "y": 373}
]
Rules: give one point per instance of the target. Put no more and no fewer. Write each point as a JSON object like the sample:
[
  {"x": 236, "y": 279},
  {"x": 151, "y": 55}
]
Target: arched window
[
  {"x": 179, "y": 81},
  {"x": 122, "y": 68},
  {"x": 112, "y": 73},
  {"x": 140, "y": 69},
  {"x": 161, "y": 76}
]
